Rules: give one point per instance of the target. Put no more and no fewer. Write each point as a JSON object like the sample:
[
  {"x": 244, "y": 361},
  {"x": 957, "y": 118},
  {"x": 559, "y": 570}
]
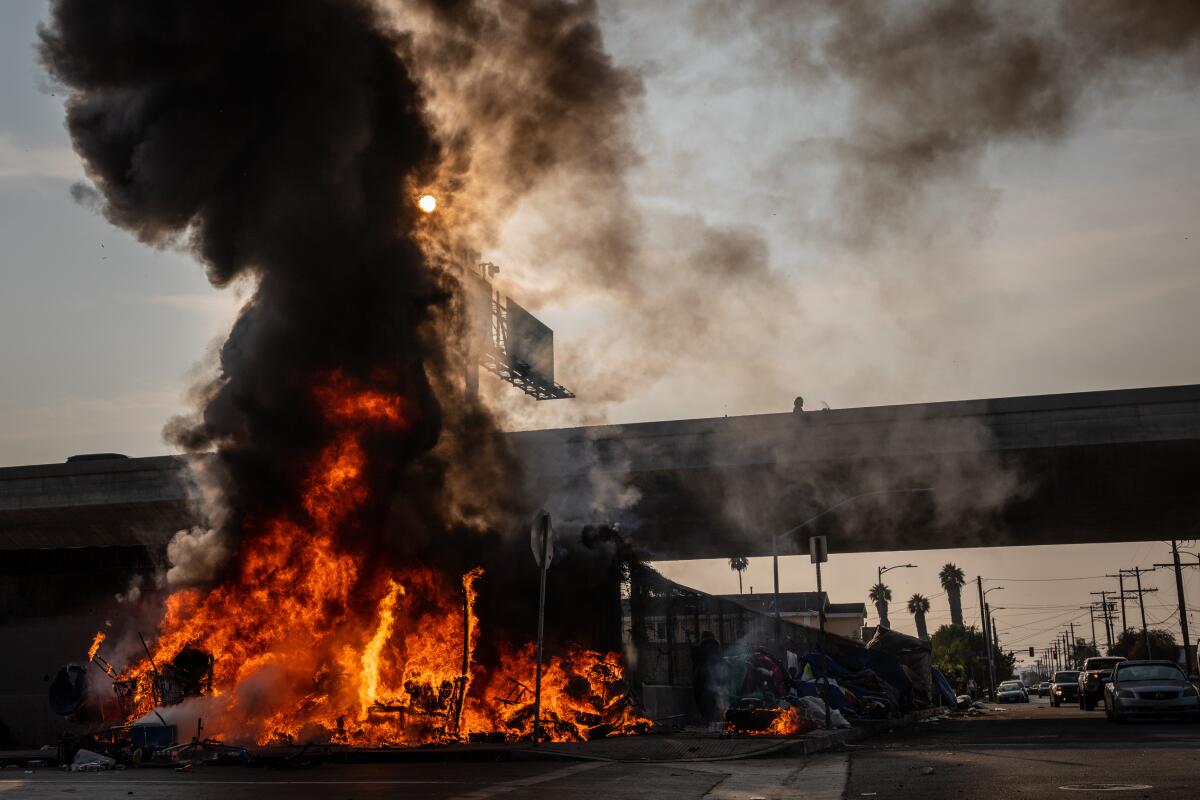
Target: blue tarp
[{"x": 943, "y": 689}]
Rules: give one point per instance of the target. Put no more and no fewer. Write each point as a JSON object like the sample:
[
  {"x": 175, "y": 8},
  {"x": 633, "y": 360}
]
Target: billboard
[{"x": 529, "y": 341}]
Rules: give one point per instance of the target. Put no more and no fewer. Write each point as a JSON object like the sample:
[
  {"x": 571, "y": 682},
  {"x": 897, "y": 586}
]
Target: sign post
[
  {"x": 818, "y": 552},
  {"x": 541, "y": 539}
]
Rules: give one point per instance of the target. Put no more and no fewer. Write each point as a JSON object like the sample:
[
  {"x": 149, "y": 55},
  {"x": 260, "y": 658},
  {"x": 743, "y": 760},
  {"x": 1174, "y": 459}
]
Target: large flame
[{"x": 305, "y": 646}]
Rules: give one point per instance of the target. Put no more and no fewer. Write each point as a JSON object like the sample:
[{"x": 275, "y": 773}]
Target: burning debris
[{"x": 363, "y": 494}]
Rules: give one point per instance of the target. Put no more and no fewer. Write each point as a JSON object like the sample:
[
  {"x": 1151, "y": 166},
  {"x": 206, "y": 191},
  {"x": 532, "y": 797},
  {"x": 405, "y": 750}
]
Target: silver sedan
[{"x": 1149, "y": 689}]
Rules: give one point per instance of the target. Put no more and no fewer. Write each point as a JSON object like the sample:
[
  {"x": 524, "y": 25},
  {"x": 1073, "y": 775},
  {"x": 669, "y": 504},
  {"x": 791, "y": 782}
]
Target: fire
[
  {"x": 308, "y": 643},
  {"x": 427, "y": 203},
  {"x": 96, "y": 642},
  {"x": 785, "y": 721}
]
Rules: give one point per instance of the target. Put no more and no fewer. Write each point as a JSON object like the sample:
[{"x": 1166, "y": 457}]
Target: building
[{"x": 802, "y": 608}]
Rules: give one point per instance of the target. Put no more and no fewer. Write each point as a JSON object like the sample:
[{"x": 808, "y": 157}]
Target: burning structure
[{"x": 356, "y": 580}]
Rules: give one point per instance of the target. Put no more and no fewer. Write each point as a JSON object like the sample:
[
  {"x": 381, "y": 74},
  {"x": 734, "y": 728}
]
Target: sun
[{"x": 427, "y": 203}]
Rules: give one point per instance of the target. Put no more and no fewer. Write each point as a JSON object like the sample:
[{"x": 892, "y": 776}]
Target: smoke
[
  {"x": 932, "y": 86},
  {"x": 282, "y": 144}
]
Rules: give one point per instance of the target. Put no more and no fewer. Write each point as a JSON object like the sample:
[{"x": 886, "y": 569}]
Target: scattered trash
[
  {"x": 926, "y": 770},
  {"x": 88, "y": 761},
  {"x": 188, "y": 767}
]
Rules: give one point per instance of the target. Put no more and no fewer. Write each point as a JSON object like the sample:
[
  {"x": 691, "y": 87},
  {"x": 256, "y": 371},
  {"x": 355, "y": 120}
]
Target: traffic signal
[
  {"x": 1031, "y": 652},
  {"x": 1054, "y": 652}
]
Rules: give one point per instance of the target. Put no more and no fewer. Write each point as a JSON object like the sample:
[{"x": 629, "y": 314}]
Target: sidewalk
[{"x": 648, "y": 748}]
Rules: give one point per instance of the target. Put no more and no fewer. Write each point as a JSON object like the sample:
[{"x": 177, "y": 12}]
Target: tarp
[
  {"x": 944, "y": 690},
  {"x": 915, "y": 657}
]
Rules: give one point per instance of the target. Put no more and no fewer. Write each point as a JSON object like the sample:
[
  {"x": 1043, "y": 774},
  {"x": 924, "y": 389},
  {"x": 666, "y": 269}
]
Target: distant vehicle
[
  {"x": 1011, "y": 692},
  {"x": 1064, "y": 687},
  {"x": 1043, "y": 689},
  {"x": 1150, "y": 689},
  {"x": 1095, "y": 673}
]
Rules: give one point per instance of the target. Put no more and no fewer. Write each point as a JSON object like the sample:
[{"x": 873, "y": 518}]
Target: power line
[{"x": 1049, "y": 580}]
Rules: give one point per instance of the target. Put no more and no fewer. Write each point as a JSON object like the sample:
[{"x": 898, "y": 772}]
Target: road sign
[
  {"x": 541, "y": 539},
  {"x": 818, "y": 549}
]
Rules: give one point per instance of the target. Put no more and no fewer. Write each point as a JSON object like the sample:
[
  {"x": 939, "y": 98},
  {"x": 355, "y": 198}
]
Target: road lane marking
[{"x": 521, "y": 783}]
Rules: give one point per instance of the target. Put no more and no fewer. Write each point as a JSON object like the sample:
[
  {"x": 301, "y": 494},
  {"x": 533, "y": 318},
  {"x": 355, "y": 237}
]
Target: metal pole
[
  {"x": 987, "y": 640},
  {"x": 1107, "y": 617},
  {"x": 1187, "y": 651},
  {"x": 1142, "y": 606},
  {"x": 821, "y": 652},
  {"x": 537, "y": 691},
  {"x": 775, "y": 567},
  {"x": 1121, "y": 584}
]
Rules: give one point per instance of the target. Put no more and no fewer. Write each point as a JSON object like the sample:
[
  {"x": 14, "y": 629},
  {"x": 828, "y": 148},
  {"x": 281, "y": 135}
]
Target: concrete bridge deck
[{"x": 1083, "y": 467}]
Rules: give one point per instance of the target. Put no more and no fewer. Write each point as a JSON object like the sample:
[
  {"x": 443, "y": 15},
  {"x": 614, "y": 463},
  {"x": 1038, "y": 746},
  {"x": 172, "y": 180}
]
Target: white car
[{"x": 1012, "y": 692}]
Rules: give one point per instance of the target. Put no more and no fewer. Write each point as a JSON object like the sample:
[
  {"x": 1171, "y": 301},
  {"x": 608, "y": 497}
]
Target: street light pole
[
  {"x": 881, "y": 571},
  {"x": 987, "y": 633}
]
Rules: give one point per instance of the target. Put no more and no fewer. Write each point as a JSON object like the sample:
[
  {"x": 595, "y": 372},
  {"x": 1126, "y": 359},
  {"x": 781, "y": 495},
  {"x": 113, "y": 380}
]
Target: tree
[
  {"x": 1131, "y": 644},
  {"x": 952, "y": 579},
  {"x": 739, "y": 564},
  {"x": 918, "y": 605},
  {"x": 962, "y": 653},
  {"x": 881, "y": 595}
]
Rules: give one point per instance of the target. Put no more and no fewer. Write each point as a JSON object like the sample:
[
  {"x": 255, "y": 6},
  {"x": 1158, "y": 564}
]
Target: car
[
  {"x": 1095, "y": 673},
  {"x": 1150, "y": 689},
  {"x": 1011, "y": 692},
  {"x": 1043, "y": 689},
  {"x": 1064, "y": 687}
]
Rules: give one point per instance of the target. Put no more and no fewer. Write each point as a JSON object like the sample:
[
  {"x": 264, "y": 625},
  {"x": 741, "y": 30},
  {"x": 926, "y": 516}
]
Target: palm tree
[
  {"x": 738, "y": 564},
  {"x": 880, "y": 595},
  {"x": 918, "y": 604},
  {"x": 952, "y": 581}
]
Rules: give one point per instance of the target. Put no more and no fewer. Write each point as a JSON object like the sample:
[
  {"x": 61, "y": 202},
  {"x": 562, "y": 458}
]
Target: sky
[{"x": 1055, "y": 266}]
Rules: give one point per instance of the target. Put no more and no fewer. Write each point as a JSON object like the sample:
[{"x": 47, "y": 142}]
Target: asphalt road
[{"x": 1029, "y": 751}]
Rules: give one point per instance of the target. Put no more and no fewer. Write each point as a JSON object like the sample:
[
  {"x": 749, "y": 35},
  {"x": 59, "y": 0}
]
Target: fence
[{"x": 663, "y": 622}]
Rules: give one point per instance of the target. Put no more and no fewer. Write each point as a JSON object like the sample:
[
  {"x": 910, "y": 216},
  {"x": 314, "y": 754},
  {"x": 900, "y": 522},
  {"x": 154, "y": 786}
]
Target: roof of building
[{"x": 795, "y": 603}]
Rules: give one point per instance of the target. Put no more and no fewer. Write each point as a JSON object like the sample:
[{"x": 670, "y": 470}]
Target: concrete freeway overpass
[{"x": 1052, "y": 469}]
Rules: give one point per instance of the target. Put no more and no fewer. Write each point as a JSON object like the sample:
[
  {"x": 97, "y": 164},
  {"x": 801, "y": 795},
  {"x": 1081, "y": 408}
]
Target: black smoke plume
[
  {"x": 279, "y": 142},
  {"x": 284, "y": 144}
]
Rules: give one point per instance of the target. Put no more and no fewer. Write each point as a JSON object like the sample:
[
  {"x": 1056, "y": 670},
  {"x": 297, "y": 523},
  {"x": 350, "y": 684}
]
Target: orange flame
[
  {"x": 787, "y": 722},
  {"x": 307, "y": 645},
  {"x": 96, "y": 642}
]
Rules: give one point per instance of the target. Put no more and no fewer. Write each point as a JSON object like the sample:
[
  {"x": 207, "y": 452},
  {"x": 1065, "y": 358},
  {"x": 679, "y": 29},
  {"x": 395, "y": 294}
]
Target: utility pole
[
  {"x": 1092, "y": 614},
  {"x": 1183, "y": 626},
  {"x": 1120, "y": 576},
  {"x": 1074, "y": 651},
  {"x": 1141, "y": 593},
  {"x": 987, "y": 639},
  {"x": 1107, "y": 617}
]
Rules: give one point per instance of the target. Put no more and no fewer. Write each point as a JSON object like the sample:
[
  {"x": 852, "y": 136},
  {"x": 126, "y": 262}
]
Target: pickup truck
[{"x": 1095, "y": 673}]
